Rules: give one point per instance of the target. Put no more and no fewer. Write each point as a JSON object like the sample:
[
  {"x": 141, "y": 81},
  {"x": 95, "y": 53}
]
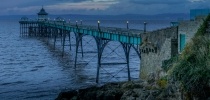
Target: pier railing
[{"x": 131, "y": 36}]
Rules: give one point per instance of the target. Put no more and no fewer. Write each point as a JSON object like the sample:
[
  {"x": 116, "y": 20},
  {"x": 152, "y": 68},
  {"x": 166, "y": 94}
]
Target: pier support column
[
  {"x": 69, "y": 34},
  {"x": 64, "y": 40},
  {"x": 101, "y": 43},
  {"x": 78, "y": 41},
  {"x": 81, "y": 48},
  {"x": 55, "y": 33},
  {"x": 127, "y": 48}
]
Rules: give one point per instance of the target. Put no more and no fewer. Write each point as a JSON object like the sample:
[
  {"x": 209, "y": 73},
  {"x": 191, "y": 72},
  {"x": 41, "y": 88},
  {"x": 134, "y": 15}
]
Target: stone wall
[
  {"x": 162, "y": 44},
  {"x": 189, "y": 28},
  {"x": 158, "y": 37},
  {"x": 155, "y": 48}
]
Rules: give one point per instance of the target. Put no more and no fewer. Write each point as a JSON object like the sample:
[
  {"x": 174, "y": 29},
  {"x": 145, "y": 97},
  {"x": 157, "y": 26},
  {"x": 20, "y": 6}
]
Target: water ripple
[{"x": 13, "y": 83}]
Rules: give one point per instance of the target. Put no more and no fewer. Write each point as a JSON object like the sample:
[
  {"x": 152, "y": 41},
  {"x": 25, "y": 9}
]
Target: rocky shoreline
[{"x": 131, "y": 90}]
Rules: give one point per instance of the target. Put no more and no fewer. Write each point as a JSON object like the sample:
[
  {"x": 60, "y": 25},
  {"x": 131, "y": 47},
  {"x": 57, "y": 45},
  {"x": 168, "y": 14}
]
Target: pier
[
  {"x": 153, "y": 48},
  {"x": 60, "y": 29}
]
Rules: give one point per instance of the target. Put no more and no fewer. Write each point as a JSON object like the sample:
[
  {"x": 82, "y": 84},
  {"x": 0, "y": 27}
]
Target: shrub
[{"x": 162, "y": 82}]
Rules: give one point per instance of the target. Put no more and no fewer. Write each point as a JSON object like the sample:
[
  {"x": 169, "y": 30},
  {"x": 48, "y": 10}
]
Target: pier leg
[
  {"x": 78, "y": 40},
  {"x": 48, "y": 35},
  {"x": 64, "y": 37},
  {"x": 128, "y": 67},
  {"x": 99, "y": 60},
  {"x": 70, "y": 39},
  {"x": 61, "y": 35},
  {"x": 20, "y": 29},
  {"x": 98, "y": 68},
  {"x": 77, "y": 45},
  {"x": 100, "y": 47},
  {"x": 126, "y": 48},
  {"x": 55, "y": 36},
  {"x": 81, "y": 47}
]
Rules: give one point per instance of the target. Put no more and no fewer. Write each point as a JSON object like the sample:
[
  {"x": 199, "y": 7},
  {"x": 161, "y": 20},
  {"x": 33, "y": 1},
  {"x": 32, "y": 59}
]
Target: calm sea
[{"x": 31, "y": 69}]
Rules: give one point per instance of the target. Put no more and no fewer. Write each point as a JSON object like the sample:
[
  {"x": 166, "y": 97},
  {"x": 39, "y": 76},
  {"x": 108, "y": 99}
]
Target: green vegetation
[
  {"x": 202, "y": 30},
  {"x": 162, "y": 82},
  {"x": 192, "y": 67}
]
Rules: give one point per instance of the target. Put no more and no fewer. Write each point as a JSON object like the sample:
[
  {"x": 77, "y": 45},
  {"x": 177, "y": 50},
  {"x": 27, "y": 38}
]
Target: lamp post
[
  {"x": 98, "y": 24},
  {"x": 127, "y": 24},
  {"x": 81, "y": 22},
  {"x": 145, "y": 25},
  {"x": 63, "y": 21},
  {"x": 76, "y": 23},
  {"x": 54, "y": 21}
]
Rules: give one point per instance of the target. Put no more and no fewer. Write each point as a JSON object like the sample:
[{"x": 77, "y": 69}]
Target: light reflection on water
[{"x": 31, "y": 69}]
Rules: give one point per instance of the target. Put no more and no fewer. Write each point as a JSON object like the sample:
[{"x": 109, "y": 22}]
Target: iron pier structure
[{"x": 54, "y": 29}]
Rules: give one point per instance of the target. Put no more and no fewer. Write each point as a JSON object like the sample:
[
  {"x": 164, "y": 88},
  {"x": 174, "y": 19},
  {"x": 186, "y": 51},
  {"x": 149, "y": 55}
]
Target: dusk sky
[{"x": 96, "y": 7}]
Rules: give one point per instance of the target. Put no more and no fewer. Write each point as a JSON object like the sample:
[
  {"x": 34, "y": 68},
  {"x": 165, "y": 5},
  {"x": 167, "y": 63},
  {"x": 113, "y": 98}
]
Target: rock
[
  {"x": 127, "y": 85},
  {"x": 127, "y": 93},
  {"x": 139, "y": 85},
  {"x": 67, "y": 95},
  {"x": 150, "y": 97},
  {"x": 155, "y": 92},
  {"x": 132, "y": 90},
  {"x": 74, "y": 98},
  {"x": 138, "y": 92},
  {"x": 151, "y": 78},
  {"x": 88, "y": 93},
  {"x": 91, "y": 95},
  {"x": 100, "y": 95},
  {"x": 151, "y": 87},
  {"x": 113, "y": 94},
  {"x": 129, "y": 98},
  {"x": 144, "y": 94},
  {"x": 135, "y": 94},
  {"x": 132, "y": 85},
  {"x": 170, "y": 90}
]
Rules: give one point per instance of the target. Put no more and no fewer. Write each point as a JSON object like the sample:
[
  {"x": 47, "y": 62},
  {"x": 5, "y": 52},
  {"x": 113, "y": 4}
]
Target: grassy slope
[{"x": 192, "y": 67}]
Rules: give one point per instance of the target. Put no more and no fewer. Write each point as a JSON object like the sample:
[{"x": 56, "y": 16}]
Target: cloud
[
  {"x": 147, "y": 7},
  {"x": 150, "y": 2},
  {"x": 157, "y": 6},
  {"x": 86, "y": 5},
  {"x": 196, "y": 0},
  {"x": 61, "y": 6},
  {"x": 102, "y": 6}
]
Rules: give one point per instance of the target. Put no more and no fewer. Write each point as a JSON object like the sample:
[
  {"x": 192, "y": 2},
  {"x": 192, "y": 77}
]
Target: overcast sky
[{"x": 108, "y": 7}]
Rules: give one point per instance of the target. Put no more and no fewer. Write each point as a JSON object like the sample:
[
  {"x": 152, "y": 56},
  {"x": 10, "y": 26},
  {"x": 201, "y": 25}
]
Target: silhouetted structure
[{"x": 42, "y": 15}]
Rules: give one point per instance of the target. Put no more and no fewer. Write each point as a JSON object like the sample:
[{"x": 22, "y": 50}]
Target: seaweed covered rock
[{"x": 132, "y": 90}]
